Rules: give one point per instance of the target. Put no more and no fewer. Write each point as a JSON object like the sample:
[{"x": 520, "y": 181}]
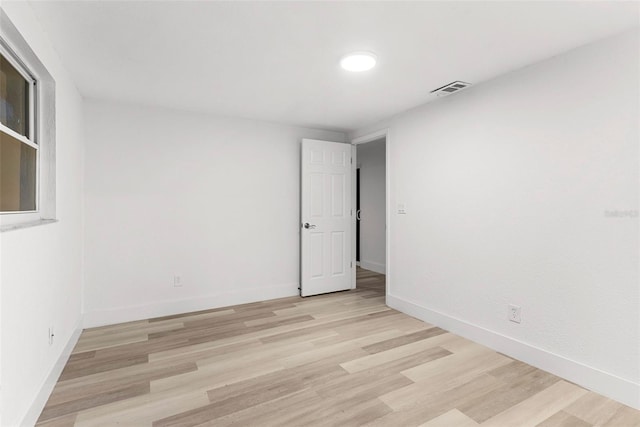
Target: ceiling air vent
[{"x": 450, "y": 88}]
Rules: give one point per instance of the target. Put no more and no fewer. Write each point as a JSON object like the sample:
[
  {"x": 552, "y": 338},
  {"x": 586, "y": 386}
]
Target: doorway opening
[{"x": 370, "y": 214}]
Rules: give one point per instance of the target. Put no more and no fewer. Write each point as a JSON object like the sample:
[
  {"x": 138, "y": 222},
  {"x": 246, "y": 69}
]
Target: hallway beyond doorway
[{"x": 370, "y": 280}]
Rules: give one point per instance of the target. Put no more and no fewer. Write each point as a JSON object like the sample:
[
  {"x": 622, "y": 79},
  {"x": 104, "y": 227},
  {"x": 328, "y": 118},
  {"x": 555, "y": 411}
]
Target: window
[
  {"x": 18, "y": 144},
  {"x": 27, "y": 134}
]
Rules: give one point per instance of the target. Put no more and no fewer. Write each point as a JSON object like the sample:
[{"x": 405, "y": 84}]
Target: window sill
[{"x": 11, "y": 227}]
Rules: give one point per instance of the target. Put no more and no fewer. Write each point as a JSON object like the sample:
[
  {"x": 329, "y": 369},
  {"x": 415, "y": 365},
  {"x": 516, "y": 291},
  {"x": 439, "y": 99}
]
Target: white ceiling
[{"x": 278, "y": 61}]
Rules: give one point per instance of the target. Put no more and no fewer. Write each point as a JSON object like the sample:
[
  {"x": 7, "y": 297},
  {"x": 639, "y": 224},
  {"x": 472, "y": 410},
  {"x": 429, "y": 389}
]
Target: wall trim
[
  {"x": 31, "y": 417},
  {"x": 607, "y": 384},
  {"x": 373, "y": 266},
  {"x": 167, "y": 308}
]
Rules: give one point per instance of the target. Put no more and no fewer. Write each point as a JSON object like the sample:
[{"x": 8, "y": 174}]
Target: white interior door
[{"x": 326, "y": 217}]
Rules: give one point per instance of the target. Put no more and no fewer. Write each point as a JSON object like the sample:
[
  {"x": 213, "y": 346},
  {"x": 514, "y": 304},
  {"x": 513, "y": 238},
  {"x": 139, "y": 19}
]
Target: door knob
[{"x": 308, "y": 226}]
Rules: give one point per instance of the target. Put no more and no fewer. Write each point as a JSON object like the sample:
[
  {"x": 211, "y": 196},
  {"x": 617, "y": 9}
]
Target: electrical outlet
[
  {"x": 515, "y": 314},
  {"x": 51, "y": 336},
  {"x": 177, "y": 281},
  {"x": 402, "y": 209}
]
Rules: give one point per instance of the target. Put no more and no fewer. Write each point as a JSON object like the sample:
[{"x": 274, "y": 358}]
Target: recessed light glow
[{"x": 358, "y": 61}]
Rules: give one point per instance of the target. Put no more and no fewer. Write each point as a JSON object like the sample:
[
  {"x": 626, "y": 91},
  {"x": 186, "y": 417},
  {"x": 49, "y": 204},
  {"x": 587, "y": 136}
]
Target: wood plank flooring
[{"x": 342, "y": 359}]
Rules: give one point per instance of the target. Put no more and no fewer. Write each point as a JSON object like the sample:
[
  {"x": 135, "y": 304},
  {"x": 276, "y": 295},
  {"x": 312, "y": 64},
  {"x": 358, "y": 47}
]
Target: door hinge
[
  {"x": 351, "y": 160},
  {"x": 351, "y": 264}
]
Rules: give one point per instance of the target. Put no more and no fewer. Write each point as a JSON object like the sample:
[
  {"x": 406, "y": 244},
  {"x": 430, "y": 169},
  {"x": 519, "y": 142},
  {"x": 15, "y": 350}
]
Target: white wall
[
  {"x": 211, "y": 199},
  {"x": 41, "y": 275},
  {"x": 371, "y": 161},
  {"x": 507, "y": 186}
]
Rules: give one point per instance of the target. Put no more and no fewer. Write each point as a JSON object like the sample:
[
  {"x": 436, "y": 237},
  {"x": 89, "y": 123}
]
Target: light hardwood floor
[{"x": 340, "y": 359}]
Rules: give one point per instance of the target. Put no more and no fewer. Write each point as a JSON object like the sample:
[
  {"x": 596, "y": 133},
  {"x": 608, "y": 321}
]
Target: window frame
[
  {"x": 32, "y": 128},
  {"x": 42, "y": 122}
]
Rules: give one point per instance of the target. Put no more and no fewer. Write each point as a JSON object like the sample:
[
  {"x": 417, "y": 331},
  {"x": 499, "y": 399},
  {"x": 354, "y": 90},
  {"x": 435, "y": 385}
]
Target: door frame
[
  {"x": 368, "y": 137},
  {"x": 357, "y": 219}
]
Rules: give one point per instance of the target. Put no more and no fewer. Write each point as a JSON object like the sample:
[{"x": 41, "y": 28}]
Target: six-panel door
[{"x": 326, "y": 209}]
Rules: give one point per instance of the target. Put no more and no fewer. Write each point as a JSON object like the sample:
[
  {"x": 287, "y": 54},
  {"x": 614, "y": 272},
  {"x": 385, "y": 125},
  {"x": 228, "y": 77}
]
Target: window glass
[
  {"x": 14, "y": 99},
  {"x": 17, "y": 175}
]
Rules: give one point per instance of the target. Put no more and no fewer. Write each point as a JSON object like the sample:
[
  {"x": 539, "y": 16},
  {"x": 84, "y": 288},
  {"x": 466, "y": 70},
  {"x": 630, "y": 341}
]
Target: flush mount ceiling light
[{"x": 358, "y": 61}]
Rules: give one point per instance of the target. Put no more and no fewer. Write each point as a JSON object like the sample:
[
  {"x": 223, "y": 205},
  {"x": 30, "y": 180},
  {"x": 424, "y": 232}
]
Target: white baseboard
[
  {"x": 168, "y": 308},
  {"x": 31, "y": 417},
  {"x": 373, "y": 266},
  {"x": 607, "y": 384}
]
